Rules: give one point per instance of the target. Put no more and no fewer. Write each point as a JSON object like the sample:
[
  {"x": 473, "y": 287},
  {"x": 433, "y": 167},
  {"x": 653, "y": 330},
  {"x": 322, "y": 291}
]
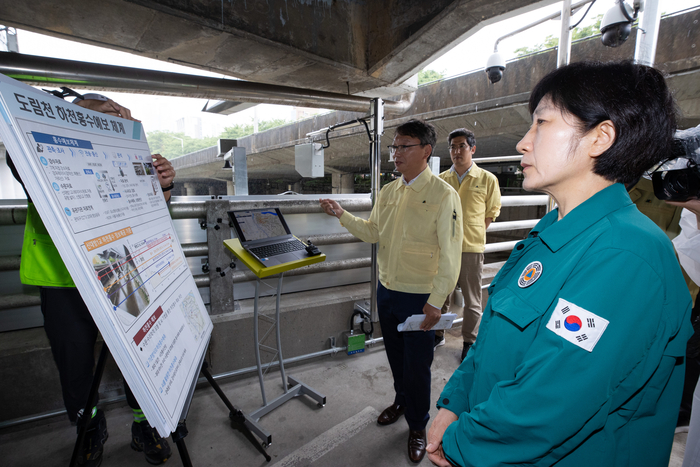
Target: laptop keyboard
[{"x": 277, "y": 249}]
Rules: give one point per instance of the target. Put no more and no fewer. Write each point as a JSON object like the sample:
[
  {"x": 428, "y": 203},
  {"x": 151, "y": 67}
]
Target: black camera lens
[{"x": 677, "y": 185}]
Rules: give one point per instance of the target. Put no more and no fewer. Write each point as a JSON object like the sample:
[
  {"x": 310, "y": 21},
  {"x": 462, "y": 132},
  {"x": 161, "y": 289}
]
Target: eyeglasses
[
  {"x": 401, "y": 148},
  {"x": 458, "y": 148}
]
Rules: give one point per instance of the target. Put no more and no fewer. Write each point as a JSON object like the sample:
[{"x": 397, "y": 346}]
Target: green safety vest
[{"x": 41, "y": 263}]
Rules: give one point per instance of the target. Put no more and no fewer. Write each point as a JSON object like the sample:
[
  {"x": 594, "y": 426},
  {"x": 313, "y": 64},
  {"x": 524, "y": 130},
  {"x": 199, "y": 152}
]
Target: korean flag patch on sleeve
[{"x": 578, "y": 326}]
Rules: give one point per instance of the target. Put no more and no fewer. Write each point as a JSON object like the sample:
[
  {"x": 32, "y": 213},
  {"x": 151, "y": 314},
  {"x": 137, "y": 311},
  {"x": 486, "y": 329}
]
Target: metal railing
[{"x": 16, "y": 214}]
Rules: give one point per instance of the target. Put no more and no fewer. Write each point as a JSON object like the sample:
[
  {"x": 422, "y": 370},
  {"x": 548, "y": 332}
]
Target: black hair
[
  {"x": 468, "y": 134},
  {"x": 420, "y": 129},
  {"x": 634, "y": 97}
]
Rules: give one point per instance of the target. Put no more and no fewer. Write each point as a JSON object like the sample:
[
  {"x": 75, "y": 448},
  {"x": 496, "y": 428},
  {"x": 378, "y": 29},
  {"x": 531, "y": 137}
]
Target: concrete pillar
[
  {"x": 230, "y": 188},
  {"x": 297, "y": 187},
  {"x": 212, "y": 190},
  {"x": 343, "y": 183},
  {"x": 190, "y": 188}
]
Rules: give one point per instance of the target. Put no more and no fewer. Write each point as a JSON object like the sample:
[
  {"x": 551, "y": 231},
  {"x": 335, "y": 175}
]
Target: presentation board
[{"x": 91, "y": 178}]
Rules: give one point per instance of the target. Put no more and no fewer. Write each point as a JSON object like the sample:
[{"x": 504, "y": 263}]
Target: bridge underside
[
  {"x": 342, "y": 46},
  {"x": 497, "y": 114}
]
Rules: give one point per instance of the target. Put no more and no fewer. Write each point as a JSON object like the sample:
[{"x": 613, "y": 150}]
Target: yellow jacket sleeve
[{"x": 449, "y": 234}]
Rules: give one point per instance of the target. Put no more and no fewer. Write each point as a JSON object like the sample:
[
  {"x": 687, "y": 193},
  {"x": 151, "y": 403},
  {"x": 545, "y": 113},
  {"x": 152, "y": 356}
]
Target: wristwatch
[{"x": 168, "y": 188}]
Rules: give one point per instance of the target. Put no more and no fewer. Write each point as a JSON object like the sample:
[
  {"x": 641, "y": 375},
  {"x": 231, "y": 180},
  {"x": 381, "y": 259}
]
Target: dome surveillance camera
[
  {"x": 495, "y": 66},
  {"x": 616, "y": 25}
]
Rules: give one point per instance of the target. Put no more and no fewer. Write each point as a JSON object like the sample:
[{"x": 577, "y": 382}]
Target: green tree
[
  {"x": 237, "y": 131},
  {"x": 426, "y": 76},
  {"x": 269, "y": 124},
  {"x": 171, "y": 144},
  {"x": 551, "y": 41}
]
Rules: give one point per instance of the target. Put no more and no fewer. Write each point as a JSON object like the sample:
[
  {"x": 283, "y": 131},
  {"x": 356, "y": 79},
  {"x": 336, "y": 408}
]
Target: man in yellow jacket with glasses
[{"x": 417, "y": 223}]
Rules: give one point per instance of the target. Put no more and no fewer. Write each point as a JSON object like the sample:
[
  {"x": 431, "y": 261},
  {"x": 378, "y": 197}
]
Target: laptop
[{"x": 265, "y": 235}]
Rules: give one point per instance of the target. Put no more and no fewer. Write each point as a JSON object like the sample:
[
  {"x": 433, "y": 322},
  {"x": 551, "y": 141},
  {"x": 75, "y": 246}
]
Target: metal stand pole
[
  {"x": 238, "y": 418},
  {"x": 179, "y": 439},
  {"x": 279, "y": 339},
  {"x": 292, "y": 387},
  {"x": 91, "y": 401}
]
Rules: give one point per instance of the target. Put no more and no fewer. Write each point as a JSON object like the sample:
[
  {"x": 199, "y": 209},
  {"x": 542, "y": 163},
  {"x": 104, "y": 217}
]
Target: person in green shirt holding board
[
  {"x": 69, "y": 326},
  {"x": 580, "y": 355}
]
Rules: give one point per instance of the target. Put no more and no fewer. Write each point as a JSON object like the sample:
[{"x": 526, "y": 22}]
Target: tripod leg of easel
[
  {"x": 179, "y": 439},
  {"x": 237, "y": 417},
  {"x": 91, "y": 401}
]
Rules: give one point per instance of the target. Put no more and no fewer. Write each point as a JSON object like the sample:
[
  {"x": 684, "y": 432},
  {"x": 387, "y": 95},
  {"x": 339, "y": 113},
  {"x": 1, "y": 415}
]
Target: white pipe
[
  {"x": 539, "y": 21},
  {"x": 564, "y": 49},
  {"x": 648, "y": 33}
]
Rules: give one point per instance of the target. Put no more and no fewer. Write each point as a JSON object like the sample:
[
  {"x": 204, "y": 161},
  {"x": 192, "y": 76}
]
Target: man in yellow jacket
[
  {"x": 481, "y": 204},
  {"x": 417, "y": 223}
]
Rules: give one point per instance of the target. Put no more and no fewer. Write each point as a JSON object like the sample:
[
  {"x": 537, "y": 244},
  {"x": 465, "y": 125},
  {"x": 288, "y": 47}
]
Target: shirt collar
[
  {"x": 461, "y": 178},
  {"x": 417, "y": 183},
  {"x": 557, "y": 233}
]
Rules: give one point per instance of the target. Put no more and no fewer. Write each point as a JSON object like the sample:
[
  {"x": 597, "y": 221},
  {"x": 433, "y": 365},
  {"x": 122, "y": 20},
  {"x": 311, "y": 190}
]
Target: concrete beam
[
  {"x": 341, "y": 46},
  {"x": 497, "y": 114}
]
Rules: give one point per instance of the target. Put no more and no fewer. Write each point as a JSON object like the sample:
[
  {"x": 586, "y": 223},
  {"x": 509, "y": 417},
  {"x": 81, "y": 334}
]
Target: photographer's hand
[{"x": 692, "y": 205}]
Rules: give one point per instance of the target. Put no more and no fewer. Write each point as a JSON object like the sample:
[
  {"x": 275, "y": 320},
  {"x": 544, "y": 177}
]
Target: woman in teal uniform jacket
[{"x": 579, "y": 359}]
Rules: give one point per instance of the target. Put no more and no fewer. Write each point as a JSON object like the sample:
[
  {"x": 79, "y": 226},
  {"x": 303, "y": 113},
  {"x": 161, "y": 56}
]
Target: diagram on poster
[{"x": 92, "y": 180}]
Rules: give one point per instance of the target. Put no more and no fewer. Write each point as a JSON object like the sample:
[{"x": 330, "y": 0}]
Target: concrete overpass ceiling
[
  {"x": 346, "y": 46},
  {"x": 497, "y": 113}
]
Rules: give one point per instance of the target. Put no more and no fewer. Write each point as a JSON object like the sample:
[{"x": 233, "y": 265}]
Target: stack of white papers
[{"x": 413, "y": 323}]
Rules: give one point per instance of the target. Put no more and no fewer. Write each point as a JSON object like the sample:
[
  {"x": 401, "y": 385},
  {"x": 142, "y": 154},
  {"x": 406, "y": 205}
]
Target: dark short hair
[
  {"x": 471, "y": 140},
  {"x": 420, "y": 129},
  {"x": 634, "y": 97}
]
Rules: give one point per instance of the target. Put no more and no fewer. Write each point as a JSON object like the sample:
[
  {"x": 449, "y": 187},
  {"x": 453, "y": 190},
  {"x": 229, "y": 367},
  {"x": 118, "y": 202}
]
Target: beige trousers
[{"x": 470, "y": 282}]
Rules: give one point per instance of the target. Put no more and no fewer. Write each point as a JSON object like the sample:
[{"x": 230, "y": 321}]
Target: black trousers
[
  {"x": 410, "y": 354},
  {"x": 72, "y": 334}
]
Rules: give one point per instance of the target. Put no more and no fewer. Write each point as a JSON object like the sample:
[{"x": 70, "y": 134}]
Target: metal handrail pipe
[
  {"x": 189, "y": 210},
  {"x": 524, "y": 200},
  {"x": 13, "y": 214},
  {"x": 512, "y": 225},
  {"x": 10, "y": 263},
  {"x": 326, "y": 266},
  {"x": 195, "y": 249},
  {"x": 202, "y": 280},
  {"x": 574, "y": 7},
  {"x": 500, "y": 246},
  {"x": 332, "y": 239},
  {"x": 197, "y": 209},
  {"x": 45, "y": 71},
  {"x": 201, "y": 381},
  {"x": 19, "y": 301},
  {"x": 17, "y": 214},
  {"x": 488, "y": 160}
]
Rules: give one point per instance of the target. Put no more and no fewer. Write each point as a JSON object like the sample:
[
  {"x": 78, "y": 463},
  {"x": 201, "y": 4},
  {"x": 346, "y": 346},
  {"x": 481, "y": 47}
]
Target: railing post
[{"x": 377, "y": 112}]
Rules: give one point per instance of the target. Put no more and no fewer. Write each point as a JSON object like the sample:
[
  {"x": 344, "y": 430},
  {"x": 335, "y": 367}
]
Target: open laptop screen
[{"x": 259, "y": 224}]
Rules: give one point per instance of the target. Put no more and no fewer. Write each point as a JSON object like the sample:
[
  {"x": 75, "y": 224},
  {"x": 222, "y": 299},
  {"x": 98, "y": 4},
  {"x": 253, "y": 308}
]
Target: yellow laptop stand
[{"x": 292, "y": 387}]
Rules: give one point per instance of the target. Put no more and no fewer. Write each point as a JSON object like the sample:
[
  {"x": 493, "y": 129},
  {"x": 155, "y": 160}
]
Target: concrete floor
[{"x": 342, "y": 433}]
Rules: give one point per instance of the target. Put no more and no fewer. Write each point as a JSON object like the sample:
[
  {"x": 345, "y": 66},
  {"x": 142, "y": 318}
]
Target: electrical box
[
  {"x": 308, "y": 159},
  {"x": 355, "y": 342}
]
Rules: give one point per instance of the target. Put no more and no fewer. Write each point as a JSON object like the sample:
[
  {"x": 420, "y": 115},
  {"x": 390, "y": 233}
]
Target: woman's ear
[{"x": 602, "y": 136}]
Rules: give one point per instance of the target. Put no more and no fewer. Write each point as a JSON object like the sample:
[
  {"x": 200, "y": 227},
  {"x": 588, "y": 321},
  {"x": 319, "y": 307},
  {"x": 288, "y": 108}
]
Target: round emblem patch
[{"x": 530, "y": 274}]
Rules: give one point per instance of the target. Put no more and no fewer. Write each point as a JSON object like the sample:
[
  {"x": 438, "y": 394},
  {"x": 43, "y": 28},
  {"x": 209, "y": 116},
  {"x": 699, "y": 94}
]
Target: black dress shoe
[
  {"x": 465, "y": 349},
  {"x": 416, "y": 445},
  {"x": 391, "y": 414}
]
